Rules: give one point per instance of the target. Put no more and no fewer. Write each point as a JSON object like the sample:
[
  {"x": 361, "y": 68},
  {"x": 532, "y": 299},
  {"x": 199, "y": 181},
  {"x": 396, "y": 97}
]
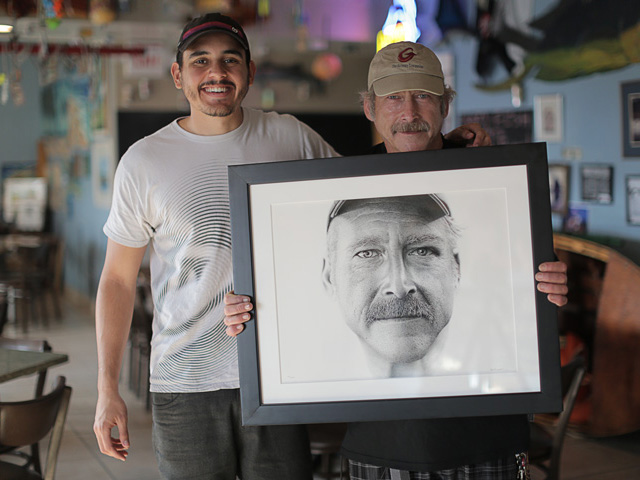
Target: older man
[{"x": 408, "y": 101}]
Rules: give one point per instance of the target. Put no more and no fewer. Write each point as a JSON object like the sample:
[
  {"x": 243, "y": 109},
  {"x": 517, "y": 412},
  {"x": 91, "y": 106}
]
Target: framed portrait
[
  {"x": 395, "y": 286},
  {"x": 559, "y": 188},
  {"x": 548, "y": 118},
  {"x": 597, "y": 183},
  {"x": 633, "y": 199},
  {"x": 630, "y": 93}
]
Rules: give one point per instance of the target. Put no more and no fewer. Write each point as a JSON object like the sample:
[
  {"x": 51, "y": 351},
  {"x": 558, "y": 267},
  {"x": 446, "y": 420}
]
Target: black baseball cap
[
  {"x": 211, "y": 23},
  {"x": 431, "y": 205}
]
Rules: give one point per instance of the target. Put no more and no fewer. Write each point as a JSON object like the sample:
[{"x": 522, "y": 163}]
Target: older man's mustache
[
  {"x": 409, "y": 306},
  {"x": 405, "y": 127}
]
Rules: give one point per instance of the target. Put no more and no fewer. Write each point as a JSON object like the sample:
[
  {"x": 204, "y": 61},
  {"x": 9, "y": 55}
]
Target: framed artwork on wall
[
  {"x": 559, "y": 188},
  {"x": 630, "y": 93},
  {"x": 633, "y": 199},
  {"x": 576, "y": 220},
  {"x": 597, "y": 183},
  {"x": 322, "y": 348},
  {"x": 548, "y": 118}
]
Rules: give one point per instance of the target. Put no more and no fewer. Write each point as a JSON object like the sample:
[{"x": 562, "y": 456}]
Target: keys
[{"x": 523, "y": 466}]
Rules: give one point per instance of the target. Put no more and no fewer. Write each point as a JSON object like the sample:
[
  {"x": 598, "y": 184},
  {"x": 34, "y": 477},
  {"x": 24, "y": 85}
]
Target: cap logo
[
  {"x": 406, "y": 55},
  {"x": 208, "y": 25}
]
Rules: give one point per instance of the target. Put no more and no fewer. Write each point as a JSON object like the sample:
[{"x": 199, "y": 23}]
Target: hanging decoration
[
  {"x": 400, "y": 24},
  {"x": 326, "y": 66},
  {"x": 101, "y": 12},
  {"x": 264, "y": 9},
  {"x": 573, "y": 38},
  {"x": 20, "y": 8},
  {"x": 300, "y": 21},
  {"x": 53, "y": 12},
  {"x": 244, "y": 12}
]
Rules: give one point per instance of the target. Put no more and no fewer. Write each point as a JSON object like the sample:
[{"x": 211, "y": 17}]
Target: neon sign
[{"x": 400, "y": 24}]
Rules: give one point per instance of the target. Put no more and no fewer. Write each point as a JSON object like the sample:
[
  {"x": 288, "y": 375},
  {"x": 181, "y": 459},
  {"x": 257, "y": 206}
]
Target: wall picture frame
[
  {"x": 597, "y": 183},
  {"x": 559, "y": 187},
  {"x": 548, "y": 118},
  {"x": 630, "y": 97},
  {"x": 300, "y": 359},
  {"x": 633, "y": 199}
]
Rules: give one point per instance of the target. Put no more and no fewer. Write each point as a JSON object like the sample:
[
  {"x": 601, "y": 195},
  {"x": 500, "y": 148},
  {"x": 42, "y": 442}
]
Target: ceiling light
[{"x": 6, "y": 28}]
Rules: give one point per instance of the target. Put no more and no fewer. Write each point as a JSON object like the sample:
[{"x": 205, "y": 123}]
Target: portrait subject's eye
[
  {"x": 424, "y": 251},
  {"x": 367, "y": 254}
]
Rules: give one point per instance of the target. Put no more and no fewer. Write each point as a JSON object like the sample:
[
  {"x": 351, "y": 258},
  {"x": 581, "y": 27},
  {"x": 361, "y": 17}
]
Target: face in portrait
[{"x": 392, "y": 266}]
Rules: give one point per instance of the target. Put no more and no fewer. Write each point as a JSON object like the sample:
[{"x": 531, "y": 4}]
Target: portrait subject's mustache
[
  {"x": 409, "y": 306},
  {"x": 404, "y": 127}
]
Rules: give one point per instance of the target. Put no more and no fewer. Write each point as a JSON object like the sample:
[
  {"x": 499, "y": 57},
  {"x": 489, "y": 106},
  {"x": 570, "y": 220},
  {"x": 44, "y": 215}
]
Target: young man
[
  {"x": 407, "y": 101},
  {"x": 171, "y": 191}
]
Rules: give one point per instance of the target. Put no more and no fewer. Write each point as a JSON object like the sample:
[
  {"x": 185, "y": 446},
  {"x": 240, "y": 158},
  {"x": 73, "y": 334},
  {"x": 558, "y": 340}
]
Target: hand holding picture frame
[{"x": 305, "y": 358}]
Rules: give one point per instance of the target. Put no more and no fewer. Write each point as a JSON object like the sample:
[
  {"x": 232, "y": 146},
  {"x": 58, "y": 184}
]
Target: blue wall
[
  {"x": 20, "y": 127},
  {"x": 592, "y": 122},
  {"x": 75, "y": 218}
]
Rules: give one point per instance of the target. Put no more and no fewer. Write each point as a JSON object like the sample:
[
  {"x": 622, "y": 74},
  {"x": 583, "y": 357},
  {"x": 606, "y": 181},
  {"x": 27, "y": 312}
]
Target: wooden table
[{"x": 17, "y": 363}]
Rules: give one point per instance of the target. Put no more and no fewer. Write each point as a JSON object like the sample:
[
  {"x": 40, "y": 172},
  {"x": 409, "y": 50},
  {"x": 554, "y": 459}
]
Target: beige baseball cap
[{"x": 405, "y": 66}]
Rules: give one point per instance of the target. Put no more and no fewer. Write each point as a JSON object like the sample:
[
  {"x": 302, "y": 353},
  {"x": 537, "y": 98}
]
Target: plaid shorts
[{"x": 502, "y": 469}]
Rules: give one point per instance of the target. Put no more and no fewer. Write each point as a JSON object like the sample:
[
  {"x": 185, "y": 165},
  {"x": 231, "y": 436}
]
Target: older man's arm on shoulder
[
  {"x": 237, "y": 312},
  {"x": 471, "y": 135}
]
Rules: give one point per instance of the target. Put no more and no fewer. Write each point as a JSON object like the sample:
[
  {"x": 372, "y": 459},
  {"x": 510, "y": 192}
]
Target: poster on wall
[
  {"x": 24, "y": 203},
  {"x": 103, "y": 166},
  {"x": 633, "y": 199},
  {"x": 631, "y": 119},
  {"x": 597, "y": 183},
  {"x": 548, "y": 118},
  {"x": 559, "y": 188},
  {"x": 576, "y": 220},
  {"x": 504, "y": 127}
]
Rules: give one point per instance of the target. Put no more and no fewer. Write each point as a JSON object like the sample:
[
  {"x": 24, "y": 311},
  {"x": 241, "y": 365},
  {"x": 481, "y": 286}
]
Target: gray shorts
[{"x": 200, "y": 436}]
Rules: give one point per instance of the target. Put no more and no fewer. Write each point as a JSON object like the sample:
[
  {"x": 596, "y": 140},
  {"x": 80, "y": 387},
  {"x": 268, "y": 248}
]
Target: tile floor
[{"x": 605, "y": 459}]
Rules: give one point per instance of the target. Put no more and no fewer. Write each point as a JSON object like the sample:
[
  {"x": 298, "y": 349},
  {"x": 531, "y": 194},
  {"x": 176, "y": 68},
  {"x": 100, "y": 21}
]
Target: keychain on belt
[{"x": 523, "y": 466}]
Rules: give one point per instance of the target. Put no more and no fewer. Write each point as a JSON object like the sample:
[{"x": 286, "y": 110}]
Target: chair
[
  {"x": 546, "y": 443},
  {"x": 325, "y": 440},
  {"x": 27, "y": 423},
  {"x": 604, "y": 300},
  {"x": 30, "y": 276},
  {"x": 29, "y": 346}
]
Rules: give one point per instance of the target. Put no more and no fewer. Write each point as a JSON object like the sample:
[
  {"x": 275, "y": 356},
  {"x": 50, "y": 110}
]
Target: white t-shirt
[{"x": 171, "y": 189}]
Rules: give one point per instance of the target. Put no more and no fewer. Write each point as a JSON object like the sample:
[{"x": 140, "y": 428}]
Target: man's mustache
[
  {"x": 404, "y": 127},
  {"x": 213, "y": 83},
  {"x": 409, "y": 306}
]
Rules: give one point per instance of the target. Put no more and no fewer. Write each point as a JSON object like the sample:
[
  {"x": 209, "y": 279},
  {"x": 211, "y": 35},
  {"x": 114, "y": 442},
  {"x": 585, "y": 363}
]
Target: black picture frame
[
  {"x": 630, "y": 97},
  {"x": 520, "y": 171},
  {"x": 597, "y": 183}
]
